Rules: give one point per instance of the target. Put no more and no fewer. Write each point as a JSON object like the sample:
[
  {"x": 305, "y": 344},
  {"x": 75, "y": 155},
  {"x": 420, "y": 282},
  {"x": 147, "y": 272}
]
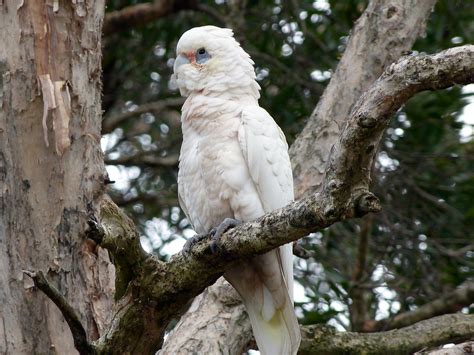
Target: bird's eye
[{"x": 202, "y": 56}]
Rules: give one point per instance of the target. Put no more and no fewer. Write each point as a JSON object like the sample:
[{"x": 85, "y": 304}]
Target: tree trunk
[{"x": 51, "y": 171}]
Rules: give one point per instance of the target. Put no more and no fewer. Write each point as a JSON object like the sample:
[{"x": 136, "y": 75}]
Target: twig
[
  {"x": 111, "y": 122},
  {"x": 461, "y": 297},
  {"x": 78, "y": 332},
  {"x": 141, "y": 14},
  {"x": 145, "y": 160}
]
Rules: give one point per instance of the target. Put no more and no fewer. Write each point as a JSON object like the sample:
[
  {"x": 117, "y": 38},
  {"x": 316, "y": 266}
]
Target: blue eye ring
[{"x": 202, "y": 56}]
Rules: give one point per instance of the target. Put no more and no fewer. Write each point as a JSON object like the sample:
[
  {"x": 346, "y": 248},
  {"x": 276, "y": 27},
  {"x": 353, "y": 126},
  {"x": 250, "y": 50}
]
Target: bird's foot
[
  {"x": 191, "y": 242},
  {"x": 217, "y": 232}
]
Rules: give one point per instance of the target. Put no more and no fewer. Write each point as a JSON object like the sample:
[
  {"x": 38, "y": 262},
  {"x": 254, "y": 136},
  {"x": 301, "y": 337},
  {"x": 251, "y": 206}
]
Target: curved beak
[{"x": 180, "y": 60}]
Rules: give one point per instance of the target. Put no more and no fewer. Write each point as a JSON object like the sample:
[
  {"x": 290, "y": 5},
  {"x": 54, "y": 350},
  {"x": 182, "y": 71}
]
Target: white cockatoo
[{"x": 234, "y": 164}]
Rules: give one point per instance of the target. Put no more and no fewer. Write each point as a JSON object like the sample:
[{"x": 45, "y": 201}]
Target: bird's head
[{"x": 210, "y": 60}]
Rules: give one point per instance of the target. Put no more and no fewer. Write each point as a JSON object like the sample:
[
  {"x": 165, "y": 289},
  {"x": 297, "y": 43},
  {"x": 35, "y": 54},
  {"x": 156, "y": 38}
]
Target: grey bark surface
[
  {"x": 224, "y": 311},
  {"x": 385, "y": 30},
  {"x": 50, "y": 63},
  {"x": 434, "y": 332}
]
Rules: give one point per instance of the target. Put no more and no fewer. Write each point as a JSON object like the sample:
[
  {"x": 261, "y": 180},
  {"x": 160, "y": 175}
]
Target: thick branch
[
  {"x": 78, "y": 332},
  {"x": 385, "y": 30},
  {"x": 170, "y": 286},
  {"x": 436, "y": 331},
  {"x": 451, "y": 302},
  {"x": 141, "y": 14}
]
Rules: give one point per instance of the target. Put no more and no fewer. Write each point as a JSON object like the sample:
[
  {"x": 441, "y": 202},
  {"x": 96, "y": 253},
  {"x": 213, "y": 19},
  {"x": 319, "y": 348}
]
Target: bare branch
[
  {"x": 436, "y": 331},
  {"x": 452, "y": 302},
  {"x": 78, "y": 333},
  {"x": 141, "y": 14},
  {"x": 385, "y": 30},
  {"x": 145, "y": 160},
  {"x": 163, "y": 200},
  {"x": 111, "y": 122},
  {"x": 359, "y": 308}
]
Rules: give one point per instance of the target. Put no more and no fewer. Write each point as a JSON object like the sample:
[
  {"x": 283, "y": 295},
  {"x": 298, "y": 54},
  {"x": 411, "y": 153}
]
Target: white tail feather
[{"x": 271, "y": 313}]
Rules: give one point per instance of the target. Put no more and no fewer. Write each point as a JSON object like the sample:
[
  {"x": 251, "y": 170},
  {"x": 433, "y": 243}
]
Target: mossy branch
[
  {"x": 156, "y": 292},
  {"x": 436, "y": 331}
]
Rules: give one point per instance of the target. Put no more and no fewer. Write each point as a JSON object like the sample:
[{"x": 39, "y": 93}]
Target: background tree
[{"x": 384, "y": 271}]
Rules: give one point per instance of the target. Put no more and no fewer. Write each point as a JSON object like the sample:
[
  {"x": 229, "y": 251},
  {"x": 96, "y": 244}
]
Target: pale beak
[{"x": 180, "y": 60}]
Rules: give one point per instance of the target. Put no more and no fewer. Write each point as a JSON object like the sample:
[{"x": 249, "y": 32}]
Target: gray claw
[
  {"x": 217, "y": 232},
  {"x": 188, "y": 246}
]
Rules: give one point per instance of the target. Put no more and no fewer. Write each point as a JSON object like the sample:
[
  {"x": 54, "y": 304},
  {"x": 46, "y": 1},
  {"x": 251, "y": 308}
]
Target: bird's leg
[
  {"x": 217, "y": 232},
  {"x": 191, "y": 242}
]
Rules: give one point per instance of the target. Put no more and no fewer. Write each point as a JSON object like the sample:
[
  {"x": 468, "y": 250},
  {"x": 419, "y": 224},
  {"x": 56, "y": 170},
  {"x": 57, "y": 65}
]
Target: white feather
[{"x": 234, "y": 163}]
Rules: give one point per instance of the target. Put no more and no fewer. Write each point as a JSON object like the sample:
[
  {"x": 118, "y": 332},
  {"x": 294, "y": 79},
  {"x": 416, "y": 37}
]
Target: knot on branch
[
  {"x": 367, "y": 202},
  {"x": 366, "y": 121}
]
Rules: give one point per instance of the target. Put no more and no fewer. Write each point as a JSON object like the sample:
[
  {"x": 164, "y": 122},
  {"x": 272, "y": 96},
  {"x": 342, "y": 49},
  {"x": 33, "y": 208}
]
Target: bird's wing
[
  {"x": 266, "y": 283},
  {"x": 265, "y": 150}
]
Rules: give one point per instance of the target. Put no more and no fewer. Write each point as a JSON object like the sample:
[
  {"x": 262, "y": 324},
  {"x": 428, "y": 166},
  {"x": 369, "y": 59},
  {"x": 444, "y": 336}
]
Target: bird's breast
[{"x": 210, "y": 156}]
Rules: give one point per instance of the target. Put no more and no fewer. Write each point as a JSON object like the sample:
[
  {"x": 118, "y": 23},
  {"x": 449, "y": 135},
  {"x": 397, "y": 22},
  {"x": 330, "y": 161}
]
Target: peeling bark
[{"x": 46, "y": 51}]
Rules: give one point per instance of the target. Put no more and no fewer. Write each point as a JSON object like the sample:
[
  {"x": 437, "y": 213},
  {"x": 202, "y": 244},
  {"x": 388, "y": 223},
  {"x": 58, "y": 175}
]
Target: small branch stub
[{"x": 367, "y": 202}]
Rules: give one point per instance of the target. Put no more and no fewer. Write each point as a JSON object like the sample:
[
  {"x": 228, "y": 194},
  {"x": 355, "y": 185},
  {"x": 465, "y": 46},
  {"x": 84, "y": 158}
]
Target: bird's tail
[{"x": 263, "y": 288}]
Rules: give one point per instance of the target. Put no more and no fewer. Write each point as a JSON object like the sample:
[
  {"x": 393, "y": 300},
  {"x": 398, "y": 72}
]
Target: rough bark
[
  {"x": 50, "y": 87},
  {"x": 466, "y": 348},
  {"x": 385, "y": 30},
  {"x": 222, "y": 313},
  {"x": 157, "y": 291}
]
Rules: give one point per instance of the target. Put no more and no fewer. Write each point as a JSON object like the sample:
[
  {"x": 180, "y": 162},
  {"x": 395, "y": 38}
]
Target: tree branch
[
  {"x": 145, "y": 160},
  {"x": 111, "y": 122},
  {"x": 166, "y": 288},
  {"x": 359, "y": 308},
  {"x": 78, "y": 332},
  {"x": 452, "y": 302},
  {"x": 141, "y": 14},
  {"x": 385, "y": 30},
  {"x": 433, "y": 332}
]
